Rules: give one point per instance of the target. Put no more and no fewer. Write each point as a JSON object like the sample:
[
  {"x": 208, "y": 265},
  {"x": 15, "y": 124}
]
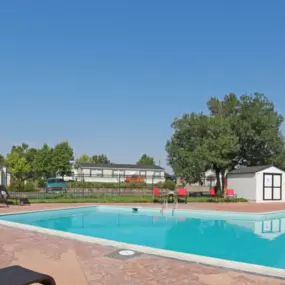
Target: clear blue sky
[{"x": 110, "y": 76}]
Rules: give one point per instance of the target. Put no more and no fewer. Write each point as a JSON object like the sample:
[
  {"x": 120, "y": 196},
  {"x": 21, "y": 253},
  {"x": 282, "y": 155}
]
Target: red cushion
[
  {"x": 156, "y": 191},
  {"x": 182, "y": 192},
  {"x": 230, "y": 192}
]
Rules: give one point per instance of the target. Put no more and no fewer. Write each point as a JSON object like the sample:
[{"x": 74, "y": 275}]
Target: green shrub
[
  {"x": 41, "y": 183},
  {"x": 168, "y": 184},
  {"x": 102, "y": 199},
  {"x": 20, "y": 186},
  {"x": 111, "y": 185}
]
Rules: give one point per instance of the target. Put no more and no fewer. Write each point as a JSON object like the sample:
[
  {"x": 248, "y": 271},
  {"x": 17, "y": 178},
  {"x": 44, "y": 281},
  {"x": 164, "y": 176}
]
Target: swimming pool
[{"x": 251, "y": 239}]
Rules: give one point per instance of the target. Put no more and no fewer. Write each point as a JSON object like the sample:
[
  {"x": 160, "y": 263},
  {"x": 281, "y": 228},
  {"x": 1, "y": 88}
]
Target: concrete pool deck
[
  {"x": 230, "y": 207},
  {"x": 74, "y": 262}
]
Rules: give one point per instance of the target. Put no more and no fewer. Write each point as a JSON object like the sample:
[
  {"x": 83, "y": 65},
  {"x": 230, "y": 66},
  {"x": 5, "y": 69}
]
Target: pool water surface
[{"x": 251, "y": 241}]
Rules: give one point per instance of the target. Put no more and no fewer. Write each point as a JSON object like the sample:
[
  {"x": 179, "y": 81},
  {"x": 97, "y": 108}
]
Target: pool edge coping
[
  {"x": 250, "y": 214},
  {"x": 193, "y": 258}
]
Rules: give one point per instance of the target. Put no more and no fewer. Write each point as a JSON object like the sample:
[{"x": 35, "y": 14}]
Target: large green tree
[
  {"x": 257, "y": 125},
  {"x": 62, "y": 156},
  {"x": 2, "y": 159},
  {"x": 42, "y": 164},
  {"x": 19, "y": 161},
  {"x": 237, "y": 131},
  {"x": 146, "y": 160},
  {"x": 200, "y": 142}
]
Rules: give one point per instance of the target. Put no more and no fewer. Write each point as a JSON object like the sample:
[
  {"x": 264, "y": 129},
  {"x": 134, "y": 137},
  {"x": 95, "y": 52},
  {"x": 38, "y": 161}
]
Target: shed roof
[
  {"x": 117, "y": 166},
  {"x": 250, "y": 169}
]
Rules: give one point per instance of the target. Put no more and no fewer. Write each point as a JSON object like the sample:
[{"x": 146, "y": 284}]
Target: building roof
[
  {"x": 250, "y": 169},
  {"x": 117, "y": 166}
]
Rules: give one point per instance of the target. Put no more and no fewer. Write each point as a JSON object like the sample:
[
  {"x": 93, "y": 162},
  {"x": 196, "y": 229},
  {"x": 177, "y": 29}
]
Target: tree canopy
[
  {"x": 2, "y": 159},
  {"x": 100, "y": 158},
  {"x": 42, "y": 164},
  {"x": 19, "y": 161},
  {"x": 25, "y": 162},
  {"x": 236, "y": 131},
  {"x": 62, "y": 155},
  {"x": 146, "y": 160}
]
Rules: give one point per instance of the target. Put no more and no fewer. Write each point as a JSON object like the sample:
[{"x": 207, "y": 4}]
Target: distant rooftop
[
  {"x": 250, "y": 169},
  {"x": 119, "y": 166}
]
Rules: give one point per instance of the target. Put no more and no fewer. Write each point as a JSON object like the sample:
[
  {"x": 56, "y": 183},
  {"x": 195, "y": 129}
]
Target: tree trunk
[
  {"x": 223, "y": 182},
  {"x": 218, "y": 185}
]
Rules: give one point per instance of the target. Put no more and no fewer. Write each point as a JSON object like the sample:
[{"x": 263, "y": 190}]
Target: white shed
[{"x": 258, "y": 183}]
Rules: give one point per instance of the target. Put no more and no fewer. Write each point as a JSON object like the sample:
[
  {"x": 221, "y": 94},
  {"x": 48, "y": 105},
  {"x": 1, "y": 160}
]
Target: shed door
[{"x": 272, "y": 186}]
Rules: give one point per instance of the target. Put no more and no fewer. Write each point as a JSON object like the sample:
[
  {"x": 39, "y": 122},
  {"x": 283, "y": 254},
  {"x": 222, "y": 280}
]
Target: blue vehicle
[{"x": 55, "y": 185}]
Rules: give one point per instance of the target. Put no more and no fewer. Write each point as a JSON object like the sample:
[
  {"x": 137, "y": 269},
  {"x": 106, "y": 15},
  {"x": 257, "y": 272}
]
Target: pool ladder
[
  {"x": 175, "y": 205},
  {"x": 165, "y": 205}
]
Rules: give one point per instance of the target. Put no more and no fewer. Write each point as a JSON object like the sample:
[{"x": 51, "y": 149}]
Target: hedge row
[
  {"x": 19, "y": 186},
  {"x": 82, "y": 184},
  {"x": 125, "y": 199}
]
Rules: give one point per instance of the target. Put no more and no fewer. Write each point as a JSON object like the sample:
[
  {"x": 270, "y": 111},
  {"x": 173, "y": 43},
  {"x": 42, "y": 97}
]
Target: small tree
[
  {"x": 62, "y": 156},
  {"x": 42, "y": 165},
  {"x": 146, "y": 160},
  {"x": 18, "y": 165},
  {"x": 82, "y": 158},
  {"x": 101, "y": 158}
]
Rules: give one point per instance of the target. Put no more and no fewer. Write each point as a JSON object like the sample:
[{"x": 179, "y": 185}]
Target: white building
[
  {"x": 4, "y": 176},
  {"x": 258, "y": 183},
  {"x": 96, "y": 172}
]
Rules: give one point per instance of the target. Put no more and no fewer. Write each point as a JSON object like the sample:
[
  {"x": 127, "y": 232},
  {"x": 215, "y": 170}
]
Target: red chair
[
  {"x": 157, "y": 193},
  {"x": 230, "y": 193},
  {"x": 182, "y": 193},
  {"x": 213, "y": 193}
]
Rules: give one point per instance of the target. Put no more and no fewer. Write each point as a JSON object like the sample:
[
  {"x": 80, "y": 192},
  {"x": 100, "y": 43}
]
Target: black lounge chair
[
  {"x": 3, "y": 198},
  {"x": 23, "y": 201},
  {"x": 17, "y": 275}
]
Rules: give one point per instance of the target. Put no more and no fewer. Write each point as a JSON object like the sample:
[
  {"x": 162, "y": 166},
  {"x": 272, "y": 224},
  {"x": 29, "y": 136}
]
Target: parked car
[{"x": 55, "y": 185}]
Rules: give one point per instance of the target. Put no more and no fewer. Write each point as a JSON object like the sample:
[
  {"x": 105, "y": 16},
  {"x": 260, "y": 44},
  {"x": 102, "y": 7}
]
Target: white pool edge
[
  {"x": 204, "y": 213},
  {"x": 215, "y": 262}
]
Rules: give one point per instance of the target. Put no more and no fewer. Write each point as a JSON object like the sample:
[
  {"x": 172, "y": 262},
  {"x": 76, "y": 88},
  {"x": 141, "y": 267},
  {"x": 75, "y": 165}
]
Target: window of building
[
  {"x": 117, "y": 173},
  {"x": 96, "y": 172}
]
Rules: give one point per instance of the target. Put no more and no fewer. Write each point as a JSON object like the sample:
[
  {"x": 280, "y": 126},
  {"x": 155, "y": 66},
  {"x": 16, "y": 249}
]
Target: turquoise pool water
[{"x": 259, "y": 242}]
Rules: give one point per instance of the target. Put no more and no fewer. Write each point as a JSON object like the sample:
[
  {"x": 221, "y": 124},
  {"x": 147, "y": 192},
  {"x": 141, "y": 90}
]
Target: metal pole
[{"x": 119, "y": 184}]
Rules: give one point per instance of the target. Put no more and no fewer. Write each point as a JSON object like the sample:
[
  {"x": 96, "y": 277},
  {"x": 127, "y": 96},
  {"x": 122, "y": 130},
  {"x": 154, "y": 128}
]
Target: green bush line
[
  {"x": 128, "y": 199},
  {"x": 166, "y": 185},
  {"x": 19, "y": 186}
]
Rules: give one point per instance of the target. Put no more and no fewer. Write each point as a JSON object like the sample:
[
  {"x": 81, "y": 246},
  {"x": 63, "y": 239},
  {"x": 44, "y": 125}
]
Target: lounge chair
[
  {"x": 158, "y": 194},
  {"x": 230, "y": 193},
  {"x": 6, "y": 195},
  {"x": 213, "y": 193},
  {"x": 182, "y": 193},
  {"x": 17, "y": 275},
  {"x": 3, "y": 196}
]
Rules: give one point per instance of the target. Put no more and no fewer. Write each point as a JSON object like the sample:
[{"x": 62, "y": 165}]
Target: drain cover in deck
[{"x": 123, "y": 254}]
